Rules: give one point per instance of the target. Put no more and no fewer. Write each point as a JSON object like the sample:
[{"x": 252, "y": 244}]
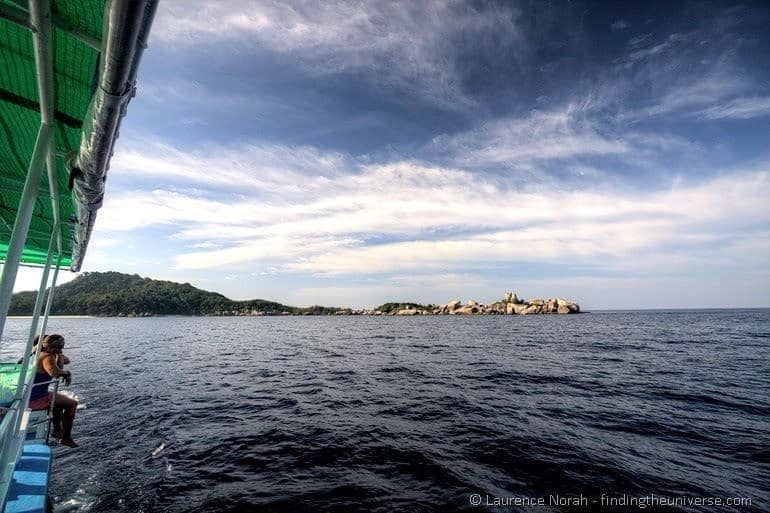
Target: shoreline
[
  {"x": 61, "y": 316},
  {"x": 597, "y": 311}
]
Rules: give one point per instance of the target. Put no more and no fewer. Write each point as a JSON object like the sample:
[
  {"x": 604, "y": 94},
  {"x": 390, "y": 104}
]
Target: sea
[{"x": 606, "y": 411}]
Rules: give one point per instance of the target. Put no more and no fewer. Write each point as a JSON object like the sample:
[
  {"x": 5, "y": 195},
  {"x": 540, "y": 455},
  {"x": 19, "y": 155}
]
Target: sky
[{"x": 352, "y": 153}]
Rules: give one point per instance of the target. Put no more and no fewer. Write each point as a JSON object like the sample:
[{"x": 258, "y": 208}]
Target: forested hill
[{"x": 118, "y": 294}]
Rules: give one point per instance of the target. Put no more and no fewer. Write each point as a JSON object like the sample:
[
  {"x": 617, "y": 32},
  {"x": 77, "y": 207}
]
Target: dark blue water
[{"x": 343, "y": 414}]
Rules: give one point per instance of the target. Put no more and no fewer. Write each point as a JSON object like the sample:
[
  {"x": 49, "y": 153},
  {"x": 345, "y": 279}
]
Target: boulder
[
  {"x": 566, "y": 306},
  {"x": 408, "y": 311},
  {"x": 520, "y": 308},
  {"x": 453, "y": 305},
  {"x": 494, "y": 308},
  {"x": 538, "y": 302},
  {"x": 511, "y": 297}
]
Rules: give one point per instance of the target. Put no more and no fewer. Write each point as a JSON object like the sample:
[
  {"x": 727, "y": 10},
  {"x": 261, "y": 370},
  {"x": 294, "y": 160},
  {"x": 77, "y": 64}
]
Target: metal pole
[
  {"x": 23, "y": 218},
  {"x": 42, "y": 35},
  {"x": 50, "y": 298},
  {"x": 53, "y": 190},
  {"x": 24, "y": 388},
  {"x": 40, "y": 18},
  {"x": 20, "y": 392},
  {"x": 13, "y": 439}
]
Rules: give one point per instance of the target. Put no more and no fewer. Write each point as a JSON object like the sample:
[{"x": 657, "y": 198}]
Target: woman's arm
[{"x": 51, "y": 367}]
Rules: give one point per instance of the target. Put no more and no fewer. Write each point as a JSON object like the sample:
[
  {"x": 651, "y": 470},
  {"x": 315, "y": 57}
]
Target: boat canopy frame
[
  {"x": 13, "y": 428},
  {"x": 73, "y": 63},
  {"x": 91, "y": 50}
]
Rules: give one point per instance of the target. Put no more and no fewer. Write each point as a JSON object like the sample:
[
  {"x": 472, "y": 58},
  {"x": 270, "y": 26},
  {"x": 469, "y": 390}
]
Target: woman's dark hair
[{"x": 53, "y": 341}]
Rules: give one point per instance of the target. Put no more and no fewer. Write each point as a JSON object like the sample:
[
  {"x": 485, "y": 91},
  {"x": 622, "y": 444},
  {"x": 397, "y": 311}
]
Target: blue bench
[{"x": 29, "y": 487}]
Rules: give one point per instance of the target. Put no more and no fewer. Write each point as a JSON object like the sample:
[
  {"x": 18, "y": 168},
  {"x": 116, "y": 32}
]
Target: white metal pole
[
  {"x": 23, "y": 218},
  {"x": 24, "y": 386},
  {"x": 20, "y": 393},
  {"x": 12, "y": 439},
  {"x": 40, "y": 19},
  {"x": 50, "y": 297},
  {"x": 53, "y": 191}
]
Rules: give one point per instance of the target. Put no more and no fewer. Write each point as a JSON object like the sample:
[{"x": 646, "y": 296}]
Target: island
[
  {"x": 114, "y": 294},
  {"x": 511, "y": 304}
]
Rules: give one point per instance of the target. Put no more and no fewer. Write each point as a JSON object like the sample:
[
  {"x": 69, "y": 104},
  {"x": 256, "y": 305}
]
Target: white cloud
[
  {"x": 412, "y": 44},
  {"x": 739, "y": 108},
  {"x": 390, "y": 217},
  {"x": 251, "y": 168},
  {"x": 645, "y": 52},
  {"x": 540, "y": 136},
  {"x": 580, "y": 229},
  {"x": 618, "y": 25},
  {"x": 682, "y": 74},
  {"x": 692, "y": 97}
]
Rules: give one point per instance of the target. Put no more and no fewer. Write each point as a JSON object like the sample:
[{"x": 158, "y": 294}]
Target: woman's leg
[
  {"x": 68, "y": 408},
  {"x": 56, "y": 417}
]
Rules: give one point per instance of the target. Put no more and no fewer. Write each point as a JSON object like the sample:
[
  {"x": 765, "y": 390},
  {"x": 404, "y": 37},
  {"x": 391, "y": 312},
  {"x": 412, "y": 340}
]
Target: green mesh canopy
[
  {"x": 75, "y": 68},
  {"x": 9, "y": 380},
  {"x": 88, "y": 90}
]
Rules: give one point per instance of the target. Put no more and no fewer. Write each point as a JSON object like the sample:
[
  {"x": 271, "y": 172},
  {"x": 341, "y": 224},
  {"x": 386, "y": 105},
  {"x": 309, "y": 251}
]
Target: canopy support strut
[
  {"x": 49, "y": 303},
  {"x": 13, "y": 438},
  {"x": 23, "y": 218},
  {"x": 22, "y": 392},
  {"x": 40, "y": 18}
]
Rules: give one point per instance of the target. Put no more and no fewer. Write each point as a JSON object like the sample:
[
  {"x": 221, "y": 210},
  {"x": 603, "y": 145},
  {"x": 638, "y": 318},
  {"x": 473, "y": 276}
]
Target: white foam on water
[
  {"x": 158, "y": 450},
  {"x": 72, "y": 395},
  {"x": 75, "y": 505}
]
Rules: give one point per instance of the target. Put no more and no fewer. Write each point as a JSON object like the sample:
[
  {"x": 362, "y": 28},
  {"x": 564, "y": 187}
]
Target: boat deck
[{"x": 28, "y": 491}]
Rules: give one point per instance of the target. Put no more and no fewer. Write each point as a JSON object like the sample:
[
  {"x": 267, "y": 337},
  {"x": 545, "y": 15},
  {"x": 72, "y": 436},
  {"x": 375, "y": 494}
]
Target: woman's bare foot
[
  {"x": 69, "y": 442},
  {"x": 56, "y": 435}
]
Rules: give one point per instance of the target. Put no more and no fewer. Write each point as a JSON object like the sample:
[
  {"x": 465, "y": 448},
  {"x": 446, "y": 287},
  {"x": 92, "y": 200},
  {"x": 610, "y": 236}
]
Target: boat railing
[
  {"x": 119, "y": 50},
  {"x": 10, "y": 445},
  {"x": 15, "y": 425},
  {"x": 46, "y": 419}
]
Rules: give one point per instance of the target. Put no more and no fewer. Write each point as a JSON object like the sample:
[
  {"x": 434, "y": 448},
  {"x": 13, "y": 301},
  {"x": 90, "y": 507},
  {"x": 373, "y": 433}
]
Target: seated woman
[{"x": 50, "y": 365}]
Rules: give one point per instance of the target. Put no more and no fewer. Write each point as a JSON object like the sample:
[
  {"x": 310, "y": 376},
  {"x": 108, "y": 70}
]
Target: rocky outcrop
[
  {"x": 511, "y": 304},
  {"x": 511, "y": 297}
]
